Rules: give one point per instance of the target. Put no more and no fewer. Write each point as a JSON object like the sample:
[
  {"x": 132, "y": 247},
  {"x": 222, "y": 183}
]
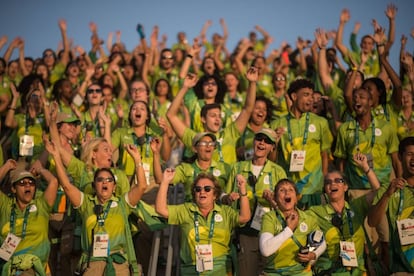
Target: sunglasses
[
  {"x": 207, "y": 83},
  {"x": 48, "y": 55},
  {"x": 104, "y": 179},
  {"x": 90, "y": 91},
  {"x": 140, "y": 89},
  {"x": 206, "y": 144},
  {"x": 167, "y": 57},
  {"x": 262, "y": 137},
  {"x": 336, "y": 180},
  {"x": 24, "y": 183},
  {"x": 207, "y": 189}
]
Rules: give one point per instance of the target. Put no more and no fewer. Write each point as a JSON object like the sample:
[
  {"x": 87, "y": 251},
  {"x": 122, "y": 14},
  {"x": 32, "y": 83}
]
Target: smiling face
[
  {"x": 104, "y": 184},
  {"x": 259, "y": 113},
  {"x": 205, "y": 148},
  {"x": 361, "y": 102},
  {"x": 203, "y": 198},
  {"x": 407, "y": 161},
  {"x": 94, "y": 95},
  {"x": 285, "y": 196},
  {"x": 335, "y": 186},
  {"x": 262, "y": 146}
]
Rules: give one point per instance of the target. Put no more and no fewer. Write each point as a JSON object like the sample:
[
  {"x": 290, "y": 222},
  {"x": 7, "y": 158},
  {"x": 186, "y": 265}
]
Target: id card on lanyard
[
  {"x": 204, "y": 252},
  {"x": 405, "y": 226},
  {"x": 297, "y": 157}
]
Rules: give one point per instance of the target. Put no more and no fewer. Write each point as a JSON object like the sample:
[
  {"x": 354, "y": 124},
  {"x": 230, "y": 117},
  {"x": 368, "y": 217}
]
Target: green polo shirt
[
  {"x": 380, "y": 141},
  {"x": 225, "y": 220}
]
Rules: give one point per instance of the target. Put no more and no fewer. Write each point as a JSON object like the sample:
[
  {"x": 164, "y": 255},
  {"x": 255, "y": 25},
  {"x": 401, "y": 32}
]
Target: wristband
[
  {"x": 245, "y": 194},
  {"x": 381, "y": 44},
  {"x": 367, "y": 171},
  {"x": 140, "y": 31},
  {"x": 189, "y": 56},
  {"x": 11, "y": 108}
]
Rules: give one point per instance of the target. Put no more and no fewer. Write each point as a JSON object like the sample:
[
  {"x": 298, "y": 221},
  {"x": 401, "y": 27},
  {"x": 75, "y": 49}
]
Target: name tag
[
  {"x": 100, "y": 245},
  {"x": 26, "y": 145},
  {"x": 348, "y": 254},
  {"x": 9, "y": 246},
  {"x": 406, "y": 231},
  {"x": 257, "y": 217},
  {"x": 204, "y": 257},
  {"x": 297, "y": 160}
]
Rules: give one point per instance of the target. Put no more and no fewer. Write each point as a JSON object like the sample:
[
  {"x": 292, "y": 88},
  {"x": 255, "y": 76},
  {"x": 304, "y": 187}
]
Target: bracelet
[
  {"x": 381, "y": 44},
  {"x": 354, "y": 69},
  {"x": 367, "y": 171},
  {"x": 140, "y": 164},
  {"x": 245, "y": 194},
  {"x": 11, "y": 108},
  {"x": 189, "y": 56}
]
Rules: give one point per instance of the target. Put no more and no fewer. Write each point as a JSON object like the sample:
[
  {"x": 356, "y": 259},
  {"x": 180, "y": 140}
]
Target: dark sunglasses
[
  {"x": 167, "y": 57},
  {"x": 90, "y": 91},
  {"x": 262, "y": 137},
  {"x": 207, "y": 189},
  {"x": 105, "y": 179},
  {"x": 26, "y": 182},
  {"x": 336, "y": 180}
]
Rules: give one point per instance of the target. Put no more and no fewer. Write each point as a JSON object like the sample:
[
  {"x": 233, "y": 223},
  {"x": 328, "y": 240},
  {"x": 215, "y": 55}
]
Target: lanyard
[
  {"x": 305, "y": 134},
  {"x": 102, "y": 217},
  {"x": 196, "y": 225},
  {"x": 147, "y": 144},
  {"x": 13, "y": 220},
  {"x": 400, "y": 205},
  {"x": 357, "y": 134}
]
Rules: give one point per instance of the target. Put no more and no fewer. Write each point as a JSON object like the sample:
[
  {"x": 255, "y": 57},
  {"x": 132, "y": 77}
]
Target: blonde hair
[{"x": 88, "y": 149}]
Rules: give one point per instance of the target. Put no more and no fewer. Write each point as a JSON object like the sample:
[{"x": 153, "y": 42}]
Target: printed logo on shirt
[
  {"x": 303, "y": 227},
  {"x": 378, "y": 132},
  {"x": 312, "y": 128},
  {"x": 218, "y": 218}
]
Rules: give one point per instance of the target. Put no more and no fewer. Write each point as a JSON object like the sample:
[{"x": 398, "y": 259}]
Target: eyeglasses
[
  {"x": 104, "y": 179},
  {"x": 207, "y": 189},
  {"x": 262, "y": 137},
  {"x": 26, "y": 182},
  {"x": 48, "y": 55},
  {"x": 166, "y": 57},
  {"x": 280, "y": 79},
  {"x": 206, "y": 144},
  {"x": 207, "y": 83},
  {"x": 336, "y": 180},
  {"x": 90, "y": 91},
  {"x": 139, "y": 89}
]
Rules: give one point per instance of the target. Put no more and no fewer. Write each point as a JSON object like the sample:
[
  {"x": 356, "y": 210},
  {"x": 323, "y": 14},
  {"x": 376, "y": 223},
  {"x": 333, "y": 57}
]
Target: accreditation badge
[
  {"x": 297, "y": 160},
  {"x": 9, "y": 246},
  {"x": 348, "y": 254},
  {"x": 406, "y": 231},
  {"x": 26, "y": 145},
  {"x": 257, "y": 216},
  {"x": 100, "y": 245},
  {"x": 204, "y": 257}
]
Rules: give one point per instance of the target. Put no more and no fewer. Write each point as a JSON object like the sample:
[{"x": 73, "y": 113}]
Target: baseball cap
[
  {"x": 66, "y": 118},
  {"x": 19, "y": 174},
  {"x": 270, "y": 133},
  {"x": 200, "y": 135}
]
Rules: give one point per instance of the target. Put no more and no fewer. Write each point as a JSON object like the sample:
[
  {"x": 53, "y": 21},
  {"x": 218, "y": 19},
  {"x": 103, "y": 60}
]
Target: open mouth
[{"x": 288, "y": 199}]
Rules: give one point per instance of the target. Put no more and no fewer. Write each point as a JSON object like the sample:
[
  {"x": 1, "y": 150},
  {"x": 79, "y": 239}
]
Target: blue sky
[{"x": 37, "y": 21}]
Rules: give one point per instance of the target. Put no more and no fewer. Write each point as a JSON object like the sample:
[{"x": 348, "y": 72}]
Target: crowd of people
[{"x": 294, "y": 161}]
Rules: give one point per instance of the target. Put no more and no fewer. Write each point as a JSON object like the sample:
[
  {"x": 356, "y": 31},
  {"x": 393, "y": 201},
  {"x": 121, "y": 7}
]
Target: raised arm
[
  {"x": 343, "y": 19},
  {"x": 138, "y": 189},
  {"x": 245, "y": 214},
  {"x": 391, "y": 13},
  {"x": 10, "y": 120},
  {"x": 64, "y": 59},
  {"x": 192, "y": 53},
  {"x": 378, "y": 210},
  {"x": 323, "y": 69},
  {"x": 161, "y": 206},
  {"x": 71, "y": 191},
  {"x": 156, "y": 160},
  {"x": 243, "y": 118},
  {"x": 172, "y": 114},
  {"x": 51, "y": 180}
]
